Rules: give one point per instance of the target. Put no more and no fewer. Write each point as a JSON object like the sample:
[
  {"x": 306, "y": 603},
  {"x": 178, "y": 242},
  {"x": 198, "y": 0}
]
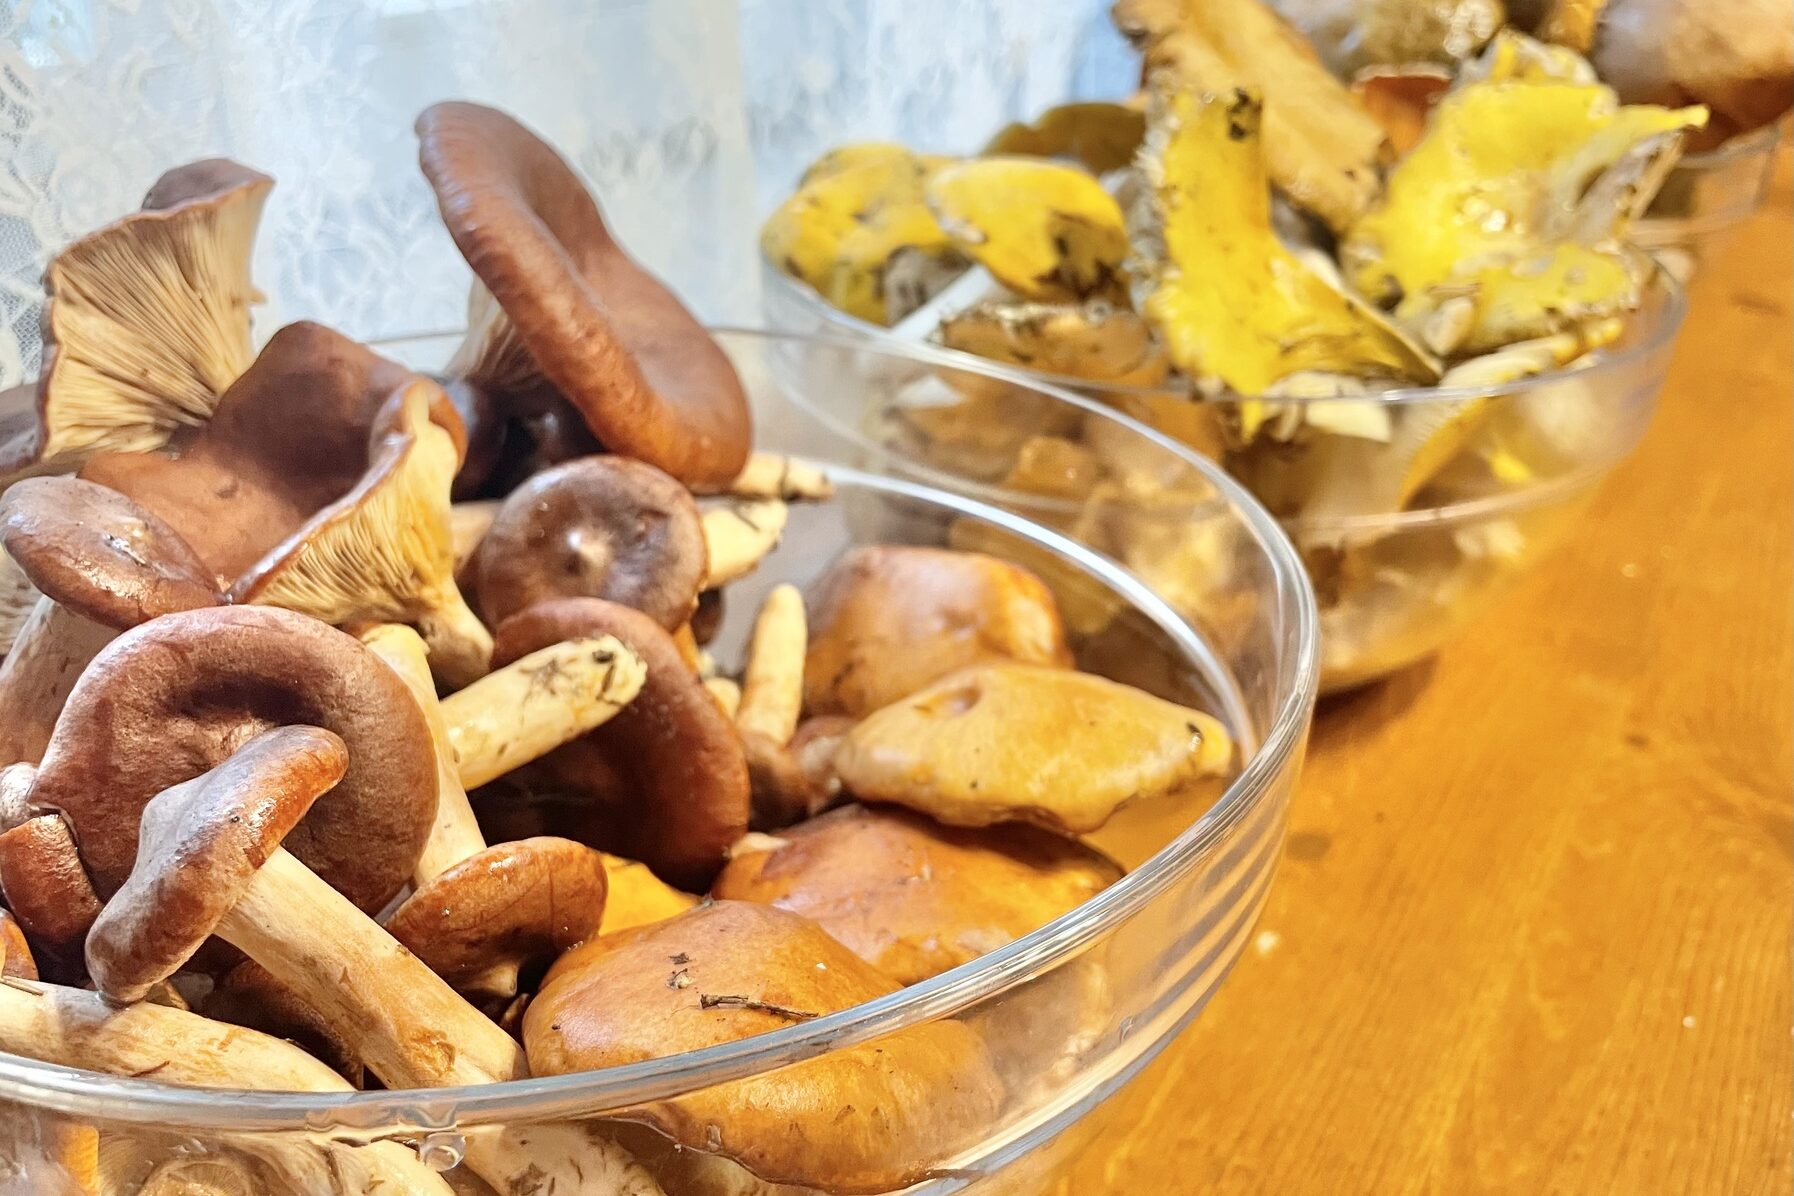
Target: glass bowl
[
  {"x": 1070, "y": 1012},
  {"x": 1398, "y": 574},
  {"x": 1704, "y": 200}
]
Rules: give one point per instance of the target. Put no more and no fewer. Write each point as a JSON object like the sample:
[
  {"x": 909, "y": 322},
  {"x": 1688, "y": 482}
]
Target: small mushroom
[
  {"x": 869, "y": 1118},
  {"x": 70, "y": 1027},
  {"x": 48, "y": 891},
  {"x": 567, "y": 304},
  {"x": 887, "y": 620},
  {"x": 146, "y": 321},
  {"x": 1005, "y": 742},
  {"x": 772, "y": 698},
  {"x": 598, "y": 527},
  {"x": 335, "y": 463},
  {"x": 103, "y": 565},
  {"x": 738, "y": 535},
  {"x": 179, "y": 695},
  {"x": 913, "y": 898},
  {"x": 15, "y": 952},
  {"x": 685, "y": 780}
]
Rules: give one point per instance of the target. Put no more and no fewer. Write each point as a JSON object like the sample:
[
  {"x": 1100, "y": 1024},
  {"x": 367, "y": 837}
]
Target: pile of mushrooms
[{"x": 363, "y": 729}]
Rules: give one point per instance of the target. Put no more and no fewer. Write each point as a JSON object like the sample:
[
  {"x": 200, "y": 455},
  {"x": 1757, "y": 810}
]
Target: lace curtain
[{"x": 690, "y": 117}]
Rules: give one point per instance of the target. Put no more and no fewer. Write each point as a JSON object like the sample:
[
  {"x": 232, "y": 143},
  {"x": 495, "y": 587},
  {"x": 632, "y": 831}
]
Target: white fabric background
[{"x": 691, "y": 117}]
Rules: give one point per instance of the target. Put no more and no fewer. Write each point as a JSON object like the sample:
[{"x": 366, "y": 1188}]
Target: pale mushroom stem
[
  {"x": 74, "y": 1028},
  {"x": 726, "y": 692},
  {"x": 46, "y": 660},
  {"x": 537, "y": 703},
  {"x": 460, "y": 645},
  {"x": 772, "y": 683},
  {"x": 18, "y": 598},
  {"x": 774, "y": 475},
  {"x": 409, "y": 1026},
  {"x": 455, "y": 835},
  {"x": 738, "y": 536},
  {"x": 468, "y": 523}
]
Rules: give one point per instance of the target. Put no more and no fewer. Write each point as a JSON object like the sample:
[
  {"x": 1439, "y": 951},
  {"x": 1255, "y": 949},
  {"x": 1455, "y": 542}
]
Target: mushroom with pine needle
[
  {"x": 1008, "y": 742},
  {"x": 561, "y": 306},
  {"x": 888, "y": 619},
  {"x": 102, "y": 565},
  {"x": 874, "y": 1117},
  {"x": 146, "y": 321},
  {"x": 665, "y": 780}
]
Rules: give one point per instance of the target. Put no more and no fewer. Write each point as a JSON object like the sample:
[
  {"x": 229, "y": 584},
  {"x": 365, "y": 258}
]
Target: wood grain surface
[{"x": 1531, "y": 933}]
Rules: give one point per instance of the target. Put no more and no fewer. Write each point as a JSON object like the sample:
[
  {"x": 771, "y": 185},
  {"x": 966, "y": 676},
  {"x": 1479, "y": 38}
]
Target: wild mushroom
[
  {"x": 636, "y": 897},
  {"x": 565, "y": 303},
  {"x": 48, "y": 891},
  {"x": 103, "y": 565},
  {"x": 18, "y": 598},
  {"x": 336, "y": 464},
  {"x": 210, "y": 862},
  {"x": 678, "y": 759},
  {"x": 15, "y": 952},
  {"x": 738, "y": 534},
  {"x": 771, "y": 701},
  {"x": 869, "y": 1118},
  {"x": 914, "y": 898},
  {"x": 774, "y": 475},
  {"x": 887, "y": 620},
  {"x": 1100, "y": 134},
  {"x": 598, "y": 527},
  {"x": 73, "y": 1028},
  {"x": 146, "y": 321},
  {"x": 1004, "y": 742},
  {"x": 179, "y": 695}
]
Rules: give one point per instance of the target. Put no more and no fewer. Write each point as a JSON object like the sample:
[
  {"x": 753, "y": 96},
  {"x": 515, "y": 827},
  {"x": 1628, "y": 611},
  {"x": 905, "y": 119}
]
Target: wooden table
[{"x": 1531, "y": 933}]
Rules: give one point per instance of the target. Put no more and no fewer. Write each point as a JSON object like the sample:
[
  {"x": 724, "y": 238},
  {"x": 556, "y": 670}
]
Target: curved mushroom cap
[
  {"x": 599, "y": 527},
  {"x": 146, "y": 320},
  {"x": 870, "y": 1118},
  {"x": 612, "y": 339},
  {"x": 1009, "y": 742},
  {"x": 101, "y": 555},
  {"x": 676, "y": 751},
  {"x": 886, "y": 620},
  {"x": 15, "y": 952},
  {"x": 514, "y": 905},
  {"x": 48, "y": 890},
  {"x": 200, "y": 843},
  {"x": 914, "y": 898},
  {"x": 179, "y": 695},
  {"x": 252, "y": 997},
  {"x": 290, "y": 437}
]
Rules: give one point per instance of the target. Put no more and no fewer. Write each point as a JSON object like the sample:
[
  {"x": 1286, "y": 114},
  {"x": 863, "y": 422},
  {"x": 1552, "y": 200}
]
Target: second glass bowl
[{"x": 1704, "y": 200}]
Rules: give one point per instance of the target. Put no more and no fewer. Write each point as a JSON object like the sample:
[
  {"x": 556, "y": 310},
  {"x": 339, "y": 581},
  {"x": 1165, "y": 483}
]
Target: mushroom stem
[
  {"x": 46, "y": 660},
  {"x": 537, "y": 703},
  {"x": 18, "y": 598},
  {"x": 468, "y": 522},
  {"x": 74, "y": 1028},
  {"x": 739, "y": 535},
  {"x": 409, "y": 1026},
  {"x": 460, "y": 646},
  {"x": 726, "y": 692},
  {"x": 774, "y": 475},
  {"x": 772, "y": 683},
  {"x": 455, "y": 835}
]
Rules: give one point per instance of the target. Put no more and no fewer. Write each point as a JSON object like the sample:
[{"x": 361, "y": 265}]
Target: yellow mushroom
[
  {"x": 1101, "y": 135},
  {"x": 1229, "y": 301},
  {"x": 1046, "y": 231}
]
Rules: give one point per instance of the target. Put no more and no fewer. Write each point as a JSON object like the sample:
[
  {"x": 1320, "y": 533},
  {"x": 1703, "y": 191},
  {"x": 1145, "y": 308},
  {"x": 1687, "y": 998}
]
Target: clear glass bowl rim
[{"x": 118, "y": 1099}]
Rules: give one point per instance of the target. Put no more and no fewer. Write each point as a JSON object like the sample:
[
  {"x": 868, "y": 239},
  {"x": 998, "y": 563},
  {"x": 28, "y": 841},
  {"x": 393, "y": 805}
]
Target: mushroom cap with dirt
[
  {"x": 869, "y": 1118},
  {"x": 177, "y": 696},
  {"x": 563, "y": 302},
  {"x": 146, "y": 321},
  {"x": 887, "y": 619},
  {"x": 666, "y": 777},
  {"x": 914, "y": 898},
  {"x": 597, "y": 527}
]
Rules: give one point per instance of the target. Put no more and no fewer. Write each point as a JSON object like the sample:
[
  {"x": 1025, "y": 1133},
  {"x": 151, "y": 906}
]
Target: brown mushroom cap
[
  {"x": 146, "y": 320},
  {"x": 250, "y": 996},
  {"x": 48, "y": 891},
  {"x": 599, "y": 527},
  {"x": 886, "y": 620},
  {"x": 513, "y": 906},
  {"x": 15, "y": 952},
  {"x": 290, "y": 437},
  {"x": 1003, "y": 742},
  {"x": 611, "y": 338},
  {"x": 673, "y": 747},
  {"x": 870, "y": 1118},
  {"x": 914, "y": 898},
  {"x": 199, "y": 844},
  {"x": 101, "y": 555},
  {"x": 179, "y": 695}
]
